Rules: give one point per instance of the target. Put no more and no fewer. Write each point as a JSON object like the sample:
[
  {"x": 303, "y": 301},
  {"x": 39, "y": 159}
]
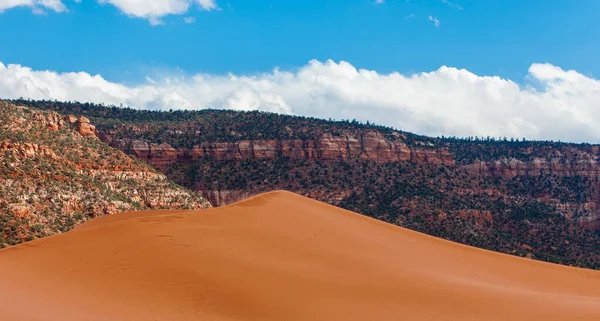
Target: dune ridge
[{"x": 278, "y": 256}]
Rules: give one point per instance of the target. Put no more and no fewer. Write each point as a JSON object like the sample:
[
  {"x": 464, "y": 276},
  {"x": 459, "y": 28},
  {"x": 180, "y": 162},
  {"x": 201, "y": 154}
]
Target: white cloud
[
  {"x": 154, "y": 10},
  {"x": 189, "y": 19},
  {"x": 55, "y": 5},
  {"x": 435, "y": 21},
  {"x": 563, "y": 105},
  {"x": 208, "y": 4},
  {"x": 151, "y": 10},
  {"x": 37, "y": 6}
]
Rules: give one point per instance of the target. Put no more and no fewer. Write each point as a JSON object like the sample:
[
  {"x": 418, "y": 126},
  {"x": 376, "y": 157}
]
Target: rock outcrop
[
  {"x": 371, "y": 145},
  {"x": 27, "y": 150},
  {"x": 569, "y": 162},
  {"x": 85, "y": 128},
  {"x": 82, "y": 125}
]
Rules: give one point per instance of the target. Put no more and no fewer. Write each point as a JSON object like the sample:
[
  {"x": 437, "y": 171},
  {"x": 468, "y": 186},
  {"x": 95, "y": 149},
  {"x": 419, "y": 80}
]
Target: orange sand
[{"x": 281, "y": 257}]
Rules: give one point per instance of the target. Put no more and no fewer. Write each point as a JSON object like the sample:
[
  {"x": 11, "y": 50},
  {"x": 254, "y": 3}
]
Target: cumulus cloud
[
  {"x": 555, "y": 104},
  {"x": 37, "y": 6},
  {"x": 154, "y": 10}
]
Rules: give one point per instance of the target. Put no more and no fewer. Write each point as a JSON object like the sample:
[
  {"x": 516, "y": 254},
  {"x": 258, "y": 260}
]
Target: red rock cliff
[
  {"x": 370, "y": 145},
  {"x": 570, "y": 161}
]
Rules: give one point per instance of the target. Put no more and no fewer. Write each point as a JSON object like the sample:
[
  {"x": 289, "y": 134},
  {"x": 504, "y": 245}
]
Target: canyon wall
[
  {"x": 370, "y": 145},
  {"x": 569, "y": 161}
]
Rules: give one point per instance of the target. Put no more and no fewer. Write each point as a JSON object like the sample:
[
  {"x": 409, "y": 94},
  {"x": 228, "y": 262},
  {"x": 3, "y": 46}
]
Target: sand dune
[{"x": 283, "y": 257}]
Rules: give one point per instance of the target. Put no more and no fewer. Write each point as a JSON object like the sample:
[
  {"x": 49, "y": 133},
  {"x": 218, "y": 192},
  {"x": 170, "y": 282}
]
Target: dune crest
[{"x": 278, "y": 256}]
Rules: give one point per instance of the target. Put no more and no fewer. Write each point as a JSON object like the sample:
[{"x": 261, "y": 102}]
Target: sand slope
[{"x": 283, "y": 257}]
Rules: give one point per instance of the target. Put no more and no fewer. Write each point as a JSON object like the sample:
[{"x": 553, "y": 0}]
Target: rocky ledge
[{"x": 370, "y": 145}]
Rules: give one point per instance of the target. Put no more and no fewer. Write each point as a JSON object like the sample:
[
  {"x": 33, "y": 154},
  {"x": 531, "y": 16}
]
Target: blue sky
[
  {"x": 516, "y": 68},
  {"x": 494, "y": 37}
]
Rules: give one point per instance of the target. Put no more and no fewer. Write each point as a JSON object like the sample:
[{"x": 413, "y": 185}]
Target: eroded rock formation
[{"x": 370, "y": 145}]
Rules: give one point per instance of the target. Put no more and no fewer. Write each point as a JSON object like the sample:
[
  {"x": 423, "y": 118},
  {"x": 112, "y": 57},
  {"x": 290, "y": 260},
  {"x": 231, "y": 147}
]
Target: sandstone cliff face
[
  {"x": 571, "y": 162},
  {"x": 367, "y": 145},
  {"x": 568, "y": 162},
  {"x": 55, "y": 173},
  {"x": 586, "y": 214},
  {"x": 370, "y": 145}
]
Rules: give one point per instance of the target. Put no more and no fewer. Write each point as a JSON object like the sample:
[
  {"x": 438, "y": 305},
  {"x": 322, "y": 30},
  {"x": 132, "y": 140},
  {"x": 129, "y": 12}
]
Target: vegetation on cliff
[{"x": 55, "y": 173}]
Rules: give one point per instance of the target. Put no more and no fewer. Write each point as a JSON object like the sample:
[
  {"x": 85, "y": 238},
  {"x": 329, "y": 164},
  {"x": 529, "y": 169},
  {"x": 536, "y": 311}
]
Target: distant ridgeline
[{"x": 528, "y": 198}]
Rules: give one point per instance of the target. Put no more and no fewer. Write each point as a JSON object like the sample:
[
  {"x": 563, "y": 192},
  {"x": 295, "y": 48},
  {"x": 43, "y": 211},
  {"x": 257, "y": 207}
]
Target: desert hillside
[
  {"x": 55, "y": 173},
  {"x": 278, "y": 256},
  {"x": 537, "y": 199}
]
